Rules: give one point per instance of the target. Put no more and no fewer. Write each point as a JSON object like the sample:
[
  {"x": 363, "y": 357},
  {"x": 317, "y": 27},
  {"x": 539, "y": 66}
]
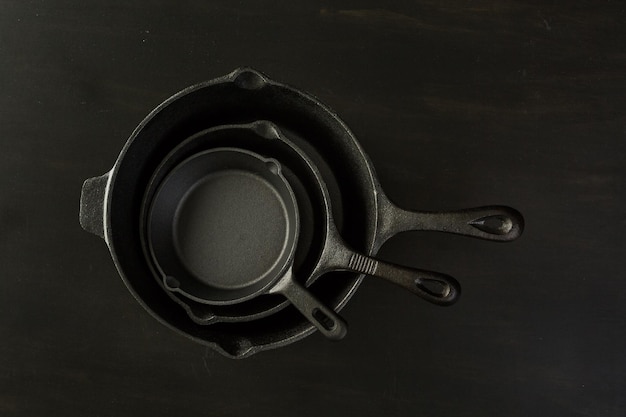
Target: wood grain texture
[{"x": 458, "y": 104}]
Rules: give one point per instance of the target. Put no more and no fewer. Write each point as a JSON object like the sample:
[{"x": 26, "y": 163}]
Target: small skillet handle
[
  {"x": 496, "y": 223},
  {"x": 92, "y": 199},
  {"x": 327, "y": 321}
]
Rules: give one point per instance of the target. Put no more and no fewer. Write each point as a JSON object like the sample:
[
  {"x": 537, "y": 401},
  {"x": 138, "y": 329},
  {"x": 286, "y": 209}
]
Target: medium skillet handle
[
  {"x": 435, "y": 287},
  {"x": 92, "y": 199},
  {"x": 496, "y": 223}
]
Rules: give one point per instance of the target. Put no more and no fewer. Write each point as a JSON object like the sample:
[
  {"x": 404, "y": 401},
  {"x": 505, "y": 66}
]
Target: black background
[{"x": 458, "y": 104}]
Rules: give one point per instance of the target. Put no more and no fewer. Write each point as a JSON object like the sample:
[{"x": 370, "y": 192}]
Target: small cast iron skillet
[{"x": 223, "y": 228}]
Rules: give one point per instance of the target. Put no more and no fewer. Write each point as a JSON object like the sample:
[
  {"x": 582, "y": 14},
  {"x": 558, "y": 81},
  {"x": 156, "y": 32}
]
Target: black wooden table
[{"x": 458, "y": 104}]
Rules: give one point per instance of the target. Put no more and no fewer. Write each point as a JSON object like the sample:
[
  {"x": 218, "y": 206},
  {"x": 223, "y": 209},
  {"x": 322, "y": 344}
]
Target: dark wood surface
[{"x": 458, "y": 104}]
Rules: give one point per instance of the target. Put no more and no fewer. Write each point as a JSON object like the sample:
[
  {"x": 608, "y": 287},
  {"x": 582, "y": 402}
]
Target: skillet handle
[
  {"x": 329, "y": 323},
  {"x": 92, "y": 200},
  {"x": 435, "y": 287},
  {"x": 496, "y": 223}
]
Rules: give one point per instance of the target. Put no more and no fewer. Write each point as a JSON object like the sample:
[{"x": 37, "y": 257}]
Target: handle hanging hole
[
  {"x": 433, "y": 287},
  {"x": 323, "y": 319},
  {"x": 497, "y": 225}
]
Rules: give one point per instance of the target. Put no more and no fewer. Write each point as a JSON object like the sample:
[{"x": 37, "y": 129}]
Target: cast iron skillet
[
  {"x": 111, "y": 204},
  {"x": 253, "y": 137},
  {"x": 333, "y": 253},
  {"x": 223, "y": 228}
]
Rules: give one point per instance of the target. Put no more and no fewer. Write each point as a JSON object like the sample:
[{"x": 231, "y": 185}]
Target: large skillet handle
[
  {"x": 92, "y": 198},
  {"x": 496, "y": 223},
  {"x": 329, "y": 323}
]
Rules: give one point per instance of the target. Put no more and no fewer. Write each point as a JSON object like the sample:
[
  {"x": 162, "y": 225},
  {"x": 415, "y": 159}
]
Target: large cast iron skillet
[{"x": 111, "y": 204}]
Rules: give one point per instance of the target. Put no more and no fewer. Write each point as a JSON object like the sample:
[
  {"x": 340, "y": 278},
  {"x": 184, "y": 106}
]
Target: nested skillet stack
[
  {"x": 117, "y": 205},
  {"x": 242, "y": 97}
]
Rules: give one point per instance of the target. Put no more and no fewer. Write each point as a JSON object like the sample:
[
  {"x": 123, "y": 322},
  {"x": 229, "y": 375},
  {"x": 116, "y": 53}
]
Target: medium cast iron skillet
[
  {"x": 223, "y": 228},
  {"x": 253, "y": 137},
  {"x": 111, "y": 205},
  {"x": 333, "y": 253}
]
